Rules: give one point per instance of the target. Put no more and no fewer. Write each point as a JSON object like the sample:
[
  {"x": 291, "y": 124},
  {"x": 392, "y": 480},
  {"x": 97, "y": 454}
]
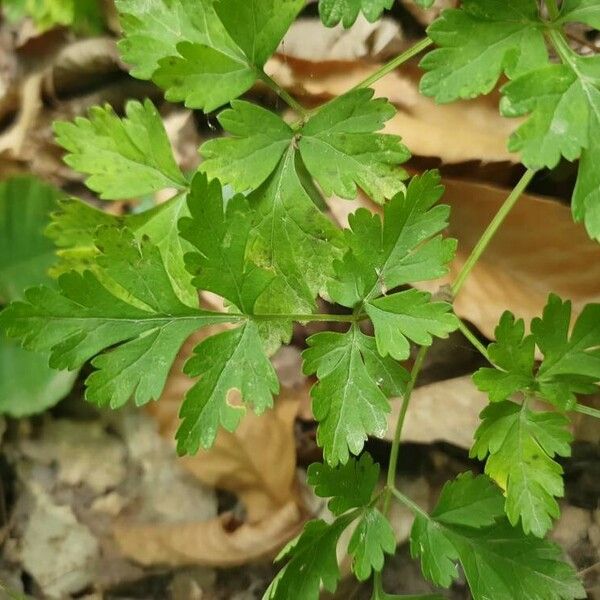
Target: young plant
[{"x": 128, "y": 287}]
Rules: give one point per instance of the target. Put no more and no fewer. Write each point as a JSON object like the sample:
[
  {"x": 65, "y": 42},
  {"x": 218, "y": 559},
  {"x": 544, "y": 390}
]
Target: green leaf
[
  {"x": 586, "y": 196},
  {"x": 412, "y": 315},
  {"x": 349, "y": 486},
  {"x": 404, "y": 249},
  {"x": 233, "y": 359},
  {"x": 521, "y": 445},
  {"x": 159, "y": 225},
  {"x": 478, "y": 43},
  {"x": 257, "y": 26},
  {"x": 312, "y": 562},
  {"x": 341, "y": 150},
  {"x": 347, "y": 401},
  {"x": 559, "y": 109},
  {"x": 27, "y": 384},
  {"x": 339, "y": 147},
  {"x": 74, "y": 226},
  {"x": 564, "y": 102},
  {"x": 25, "y": 254},
  {"x": 83, "y": 16},
  {"x": 499, "y": 561},
  {"x": 293, "y": 239},
  {"x": 202, "y": 77},
  {"x": 346, "y": 11},
  {"x": 245, "y": 160},
  {"x": 139, "y": 315},
  {"x": 571, "y": 364},
  {"x": 371, "y": 540},
  {"x": 513, "y": 354},
  {"x": 126, "y": 157},
  {"x": 220, "y": 232},
  {"x": 580, "y": 11},
  {"x": 198, "y": 56},
  {"x": 152, "y": 29}
]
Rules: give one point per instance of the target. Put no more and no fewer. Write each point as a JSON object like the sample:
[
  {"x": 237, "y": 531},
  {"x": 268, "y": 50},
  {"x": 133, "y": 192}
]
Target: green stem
[
  {"x": 413, "y": 506},
  {"x": 473, "y": 339},
  {"x": 283, "y": 94},
  {"x": 395, "y": 450},
  {"x": 587, "y": 410},
  {"x": 299, "y": 318},
  {"x": 552, "y": 7},
  {"x": 394, "y": 63},
  {"x": 493, "y": 227}
]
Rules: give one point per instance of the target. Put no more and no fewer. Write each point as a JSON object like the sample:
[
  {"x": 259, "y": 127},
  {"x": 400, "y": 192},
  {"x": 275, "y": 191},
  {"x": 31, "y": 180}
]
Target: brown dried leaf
[
  {"x": 538, "y": 250},
  {"x": 307, "y": 39},
  {"x": 460, "y": 402},
  {"x": 219, "y": 542}
]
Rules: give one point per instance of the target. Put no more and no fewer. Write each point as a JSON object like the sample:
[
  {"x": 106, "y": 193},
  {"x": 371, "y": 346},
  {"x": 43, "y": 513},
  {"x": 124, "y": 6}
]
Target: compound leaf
[
  {"x": 571, "y": 364},
  {"x": 349, "y": 486},
  {"x": 513, "y": 353},
  {"x": 258, "y": 140},
  {"x": 371, "y": 540},
  {"x": 125, "y": 157},
  {"x": 152, "y": 29},
  {"x": 409, "y": 315},
  {"x": 564, "y": 106},
  {"x": 202, "y": 52},
  {"x": 220, "y": 231},
  {"x": 347, "y": 401},
  {"x": 478, "y": 43},
  {"x": 27, "y": 384},
  {"x": 341, "y": 150},
  {"x": 233, "y": 359},
  {"x": 559, "y": 109},
  {"x": 74, "y": 226},
  {"x": 139, "y": 313},
  {"x": 499, "y": 561},
  {"x": 520, "y": 446},
  {"x": 293, "y": 239},
  {"x": 404, "y": 249}
]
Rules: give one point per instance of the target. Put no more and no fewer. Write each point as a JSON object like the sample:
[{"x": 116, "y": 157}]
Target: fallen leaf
[
  {"x": 307, "y": 39},
  {"x": 457, "y": 399},
  {"x": 219, "y": 542},
  {"x": 538, "y": 250},
  {"x": 12, "y": 141}
]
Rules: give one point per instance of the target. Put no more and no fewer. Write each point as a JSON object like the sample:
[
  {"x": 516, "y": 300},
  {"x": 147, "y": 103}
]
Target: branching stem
[
  {"x": 283, "y": 94},
  {"x": 395, "y": 449}
]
